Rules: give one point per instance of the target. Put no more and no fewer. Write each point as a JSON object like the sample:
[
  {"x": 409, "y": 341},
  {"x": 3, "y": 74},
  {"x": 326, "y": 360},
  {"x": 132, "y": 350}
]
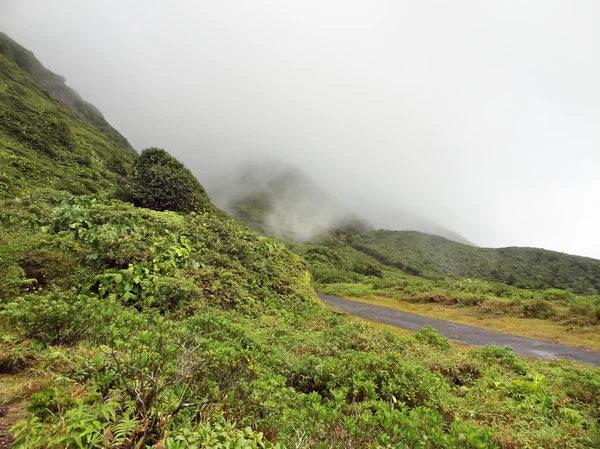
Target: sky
[{"x": 481, "y": 115}]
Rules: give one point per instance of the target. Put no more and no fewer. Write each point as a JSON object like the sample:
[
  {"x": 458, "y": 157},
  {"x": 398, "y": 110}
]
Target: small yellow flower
[{"x": 76, "y": 246}]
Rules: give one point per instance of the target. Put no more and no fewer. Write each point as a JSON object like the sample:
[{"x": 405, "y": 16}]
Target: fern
[{"x": 125, "y": 426}]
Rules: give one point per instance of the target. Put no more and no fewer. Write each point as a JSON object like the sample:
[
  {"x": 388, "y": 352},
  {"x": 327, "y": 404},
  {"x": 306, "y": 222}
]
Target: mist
[{"x": 481, "y": 116}]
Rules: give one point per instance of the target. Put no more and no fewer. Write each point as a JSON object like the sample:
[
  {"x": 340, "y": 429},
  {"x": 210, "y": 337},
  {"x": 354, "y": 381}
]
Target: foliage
[
  {"x": 439, "y": 258},
  {"x": 44, "y": 144},
  {"x": 161, "y": 182}
]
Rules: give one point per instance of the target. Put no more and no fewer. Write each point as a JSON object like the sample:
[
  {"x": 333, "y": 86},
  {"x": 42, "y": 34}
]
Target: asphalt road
[{"x": 462, "y": 333}]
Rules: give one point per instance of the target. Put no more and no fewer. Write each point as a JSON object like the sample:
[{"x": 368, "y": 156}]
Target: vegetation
[
  {"x": 43, "y": 144},
  {"x": 435, "y": 257},
  {"x": 55, "y": 86},
  {"x": 192, "y": 330},
  {"x": 161, "y": 182},
  {"x": 127, "y": 327}
]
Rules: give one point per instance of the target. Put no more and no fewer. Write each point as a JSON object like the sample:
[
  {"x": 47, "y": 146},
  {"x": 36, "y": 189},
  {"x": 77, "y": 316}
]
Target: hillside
[
  {"x": 43, "y": 143},
  {"x": 439, "y": 258},
  {"x": 56, "y": 87},
  {"x": 394, "y": 218},
  {"x": 161, "y": 322},
  {"x": 283, "y": 202}
]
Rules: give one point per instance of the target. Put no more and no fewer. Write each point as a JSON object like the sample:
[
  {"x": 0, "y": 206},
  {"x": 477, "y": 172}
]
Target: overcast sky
[{"x": 482, "y": 115}]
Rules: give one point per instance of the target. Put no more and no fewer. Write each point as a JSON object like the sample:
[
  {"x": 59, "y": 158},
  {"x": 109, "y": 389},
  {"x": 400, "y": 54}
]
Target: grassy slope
[
  {"x": 202, "y": 291},
  {"x": 140, "y": 328},
  {"x": 43, "y": 144},
  {"x": 55, "y": 85},
  {"x": 438, "y": 258}
]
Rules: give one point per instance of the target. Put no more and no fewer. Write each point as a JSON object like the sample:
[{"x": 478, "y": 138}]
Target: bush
[
  {"x": 538, "y": 308},
  {"x": 161, "y": 183},
  {"x": 505, "y": 356},
  {"x": 53, "y": 319},
  {"x": 429, "y": 336},
  {"x": 49, "y": 402},
  {"x": 553, "y": 294}
]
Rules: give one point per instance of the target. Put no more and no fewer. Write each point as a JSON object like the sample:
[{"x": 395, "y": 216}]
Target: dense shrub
[
  {"x": 538, "y": 308},
  {"x": 58, "y": 318},
  {"x": 431, "y": 337},
  {"x": 161, "y": 182}
]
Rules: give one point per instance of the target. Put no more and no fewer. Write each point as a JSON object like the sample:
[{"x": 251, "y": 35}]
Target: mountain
[
  {"x": 49, "y": 142},
  {"x": 396, "y": 219},
  {"x": 436, "y": 257},
  {"x": 55, "y": 85},
  {"x": 280, "y": 200}
]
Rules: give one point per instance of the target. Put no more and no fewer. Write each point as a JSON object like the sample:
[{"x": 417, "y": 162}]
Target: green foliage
[
  {"x": 439, "y": 258},
  {"x": 59, "y": 318},
  {"x": 49, "y": 402},
  {"x": 431, "y": 337},
  {"x": 44, "y": 144},
  {"x": 161, "y": 182}
]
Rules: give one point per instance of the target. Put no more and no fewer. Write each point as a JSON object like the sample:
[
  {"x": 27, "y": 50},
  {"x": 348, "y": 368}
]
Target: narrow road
[{"x": 462, "y": 333}]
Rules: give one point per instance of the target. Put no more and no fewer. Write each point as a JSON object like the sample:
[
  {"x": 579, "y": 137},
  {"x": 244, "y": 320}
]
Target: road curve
[{"x": 462, "y": 333}]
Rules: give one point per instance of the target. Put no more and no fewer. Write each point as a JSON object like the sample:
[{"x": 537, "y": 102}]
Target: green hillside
[
  {"x": 55, "y": 85},
  {"x": 435, "y": 257},
  {"x": 283, "y": 202},
  {"x": 45, "y": 144},
  {"x": 160, "y": 322}
]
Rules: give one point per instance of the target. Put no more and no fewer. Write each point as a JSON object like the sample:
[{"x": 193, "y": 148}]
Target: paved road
[{"x": 463, "y": 333}]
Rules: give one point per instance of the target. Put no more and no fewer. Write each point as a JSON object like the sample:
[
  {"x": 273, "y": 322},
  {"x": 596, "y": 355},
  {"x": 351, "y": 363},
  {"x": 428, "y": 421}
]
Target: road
[{"x": 461, "y": 333}]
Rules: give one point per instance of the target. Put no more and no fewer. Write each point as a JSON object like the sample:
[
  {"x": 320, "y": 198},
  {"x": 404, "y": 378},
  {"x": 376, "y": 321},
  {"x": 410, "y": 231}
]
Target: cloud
[{"x": 480, "y": 115}]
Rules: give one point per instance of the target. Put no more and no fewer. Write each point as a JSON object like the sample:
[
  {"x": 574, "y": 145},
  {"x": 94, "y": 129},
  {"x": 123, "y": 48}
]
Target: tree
[{"x": 161, "y": 182}]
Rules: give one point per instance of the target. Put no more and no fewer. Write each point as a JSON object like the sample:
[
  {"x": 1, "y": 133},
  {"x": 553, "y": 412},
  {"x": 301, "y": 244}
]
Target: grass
[{"x": 525, "y": 327}]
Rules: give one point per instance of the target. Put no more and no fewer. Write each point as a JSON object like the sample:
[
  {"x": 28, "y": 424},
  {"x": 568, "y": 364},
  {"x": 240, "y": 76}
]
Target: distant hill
[
  {"x": 49, "y": 137},
  {"x": 435, "y": 257},
  {"x": 396, "y": 219},
  {"x": 281, "y": 201}
]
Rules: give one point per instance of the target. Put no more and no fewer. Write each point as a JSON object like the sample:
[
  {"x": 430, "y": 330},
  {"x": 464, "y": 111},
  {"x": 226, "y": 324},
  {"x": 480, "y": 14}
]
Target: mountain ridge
[
  {"x": 55, "y": 85},
  {"x": 436, "y": 257}
]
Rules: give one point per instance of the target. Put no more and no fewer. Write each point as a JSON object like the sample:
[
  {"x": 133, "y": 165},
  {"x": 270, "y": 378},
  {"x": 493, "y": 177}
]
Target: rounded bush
[{"x": 161, "y": 183}]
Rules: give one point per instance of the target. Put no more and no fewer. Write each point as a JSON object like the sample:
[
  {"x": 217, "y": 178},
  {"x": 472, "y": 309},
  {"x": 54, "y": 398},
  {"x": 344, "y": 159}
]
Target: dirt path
[
  {"x": 462, "y": 333},
  {"x": 12, "y": 407}
]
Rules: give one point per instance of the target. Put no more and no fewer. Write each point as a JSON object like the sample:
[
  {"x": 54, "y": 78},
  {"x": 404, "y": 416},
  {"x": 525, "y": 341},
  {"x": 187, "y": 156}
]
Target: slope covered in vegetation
[
  {"x": 55, "y": 85},
  {"x": 190, "y": 329},
  {"x": 283, "y": 202},
  {"x": 434, "y": 257},
  {"x": 45, "y": 144}
]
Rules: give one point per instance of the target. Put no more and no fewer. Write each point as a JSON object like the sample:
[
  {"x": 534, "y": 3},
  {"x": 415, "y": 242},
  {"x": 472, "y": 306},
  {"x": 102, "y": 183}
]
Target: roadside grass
[{"x": 538, "y": 329}]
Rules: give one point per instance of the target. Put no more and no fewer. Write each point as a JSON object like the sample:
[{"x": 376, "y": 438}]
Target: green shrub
[
  {"x": 538, "y": 308},
  {"x": 57, "y": 318},
  {"x": 431, "y": 337},
  {"x": 553, "y": 294},
  {"x": 161, "y": 182},
  {"x": 49, "y": 401},
  {"x": 505, "y": 356}
]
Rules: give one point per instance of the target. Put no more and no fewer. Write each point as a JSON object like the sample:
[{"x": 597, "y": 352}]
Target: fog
[{"x": 482, "y": 116}]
